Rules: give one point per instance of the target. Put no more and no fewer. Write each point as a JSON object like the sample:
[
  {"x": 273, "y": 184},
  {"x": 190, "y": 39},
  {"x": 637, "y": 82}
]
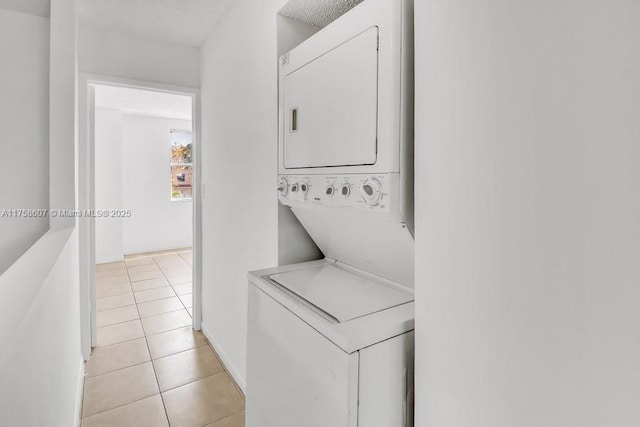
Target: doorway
[{"x": 140, "y": 246}]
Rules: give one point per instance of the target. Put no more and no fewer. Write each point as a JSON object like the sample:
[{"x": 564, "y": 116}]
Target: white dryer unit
[{"x": 346, "y": 137}]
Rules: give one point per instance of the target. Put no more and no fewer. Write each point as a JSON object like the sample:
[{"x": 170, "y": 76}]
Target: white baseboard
[
  {"x": 241, "y": 381},
  {"x": 79, "y": 393},
  {"x": 110, "y": 259}
]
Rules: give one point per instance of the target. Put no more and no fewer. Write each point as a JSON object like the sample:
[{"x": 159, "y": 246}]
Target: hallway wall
[
  {"x": 24, "y": 120},
  {"x": 157, "y": 223},
  {"x": 122, "y": 55},
  {"x": 132, "y": 173},
  {"x": 40, "y": 357},
  {"x": 527, "y": 213},
  {"x": 108, "y": 181},
  {"x": 240, "y": 210}
]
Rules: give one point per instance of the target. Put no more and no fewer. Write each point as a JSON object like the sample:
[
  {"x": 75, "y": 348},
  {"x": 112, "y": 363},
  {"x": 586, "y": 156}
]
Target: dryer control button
[
  {"x": 304, "y": 188},
  {"x": 345, "y": 190},
  {"x": 294, "y": 188},
  {"x": 330, "y": 190},
  {"x": 371, "y": 191},
  {"x": 283, "y": 186}
]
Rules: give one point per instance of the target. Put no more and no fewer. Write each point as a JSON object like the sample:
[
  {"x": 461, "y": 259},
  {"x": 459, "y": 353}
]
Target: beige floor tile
[
  {"x": 177, "y": 276},
  {"x": 160, "y": 306},
  {"x": 112, "y": 281},
  {"x": 154, "y": 294},
  {"x": 166, "y": 322},
  {"x": 144, "y": 275},
  {"x": 139, "y": 261},
  {"x": 142, "y": 268},
  {"x": 116, "y": 301},
  {"x": 174, "y": 341},
  {"x": 166, "y": 258},
  {"x": 118, "y": 388},
  {"x": 116, "y": 315},
  {"x": 172, "y": 261},
  {"x": 202, "y": 402},
  {"x": 114, "y": 290},
  {"x": 187, "y": 256},
  {"x": 117, "y": 356},
  {"x": 235, "y": 420},
  {"x": 148, "y": 412},
  {"x": 143, "y": 285},
  {"x": 109, "y": 266},
  {"x": 121, "y": 332},
  {"x": 188, "y": 366},
  {"x": 183, "y": 288},
  {"x": 187, "y": 300},
  {"x": 109, "y": 274}
]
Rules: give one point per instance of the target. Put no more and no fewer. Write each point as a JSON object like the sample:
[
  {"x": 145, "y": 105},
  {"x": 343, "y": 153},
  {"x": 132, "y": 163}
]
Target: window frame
[{"x": 179, "y": 164}]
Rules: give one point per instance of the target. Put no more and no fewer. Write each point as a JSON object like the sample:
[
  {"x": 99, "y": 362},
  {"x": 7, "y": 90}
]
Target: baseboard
[
  {"x": 79, "y": 393},
  {"x": 110, "y": 259},
  {"x": 225, "y": 360}
]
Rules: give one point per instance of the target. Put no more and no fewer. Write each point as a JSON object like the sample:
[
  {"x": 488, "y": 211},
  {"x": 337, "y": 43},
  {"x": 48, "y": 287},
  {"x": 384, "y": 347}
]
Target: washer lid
[{"x": 341, "y": 294}]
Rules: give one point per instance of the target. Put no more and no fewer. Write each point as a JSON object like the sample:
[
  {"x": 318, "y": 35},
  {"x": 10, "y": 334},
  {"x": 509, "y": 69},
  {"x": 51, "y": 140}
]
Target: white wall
[
  {"x": 24, "y": 120},
  {"x": 156, "y": 223},
  {"x": 133, "y": 173},
  {"x": 40, "y": 356},
  {"x": 528, "y": 207},
  {"x": 108, "y": 182},
  {"x": 63, "y": 79},
  {"x": 240, "y": 211},
  {"x": 122, "y": 55}
]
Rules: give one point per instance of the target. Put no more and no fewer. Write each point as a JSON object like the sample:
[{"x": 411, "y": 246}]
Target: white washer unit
[
  {"x": 330, "y": 342},
  {"x": 328, "y": 346}
]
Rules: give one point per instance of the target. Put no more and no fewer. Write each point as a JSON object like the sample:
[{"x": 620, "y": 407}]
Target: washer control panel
[{"x": 363, "y": 191}]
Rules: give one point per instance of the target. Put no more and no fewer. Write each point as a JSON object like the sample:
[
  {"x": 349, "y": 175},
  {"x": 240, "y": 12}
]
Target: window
[{"x": 181, "y": 164}]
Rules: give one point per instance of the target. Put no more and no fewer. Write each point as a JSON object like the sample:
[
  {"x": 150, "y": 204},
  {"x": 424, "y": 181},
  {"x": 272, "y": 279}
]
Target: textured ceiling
[
  {"x": 137, "y": 101},
  {"x": 185, "y": 22},
  {"x": 318, "y": 13},
  {"x": 32, "y": 7}
]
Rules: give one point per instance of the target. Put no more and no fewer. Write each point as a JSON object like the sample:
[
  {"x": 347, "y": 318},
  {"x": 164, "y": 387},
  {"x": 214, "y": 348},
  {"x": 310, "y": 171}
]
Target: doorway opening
[{"x": 141, "y": 231}]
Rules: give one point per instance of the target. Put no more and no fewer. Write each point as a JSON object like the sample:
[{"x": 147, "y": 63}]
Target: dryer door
[{"x": 331, "y": 106}]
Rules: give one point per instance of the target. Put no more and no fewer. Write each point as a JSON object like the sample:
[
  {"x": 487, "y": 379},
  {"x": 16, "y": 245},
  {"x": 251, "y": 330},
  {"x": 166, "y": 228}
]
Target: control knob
[
  {"x": 371, "y": 191},
  {"x": 283, "y": 186}
]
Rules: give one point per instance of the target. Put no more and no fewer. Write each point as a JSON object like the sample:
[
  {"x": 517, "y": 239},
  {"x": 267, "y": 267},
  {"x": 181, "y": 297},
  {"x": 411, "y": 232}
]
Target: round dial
[
  {"x": 330, "y": 190},
  {"x": 283, "y": 186},
  {"x": 371, "y": 191},
  {"x": 295, "y": 187},
  {"x": 304, "y": 188},
  {"x": 345, "y": 190}
]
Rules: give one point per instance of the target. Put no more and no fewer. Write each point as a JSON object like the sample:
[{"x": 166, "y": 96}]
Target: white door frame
[{"x": 86, "y": 196}]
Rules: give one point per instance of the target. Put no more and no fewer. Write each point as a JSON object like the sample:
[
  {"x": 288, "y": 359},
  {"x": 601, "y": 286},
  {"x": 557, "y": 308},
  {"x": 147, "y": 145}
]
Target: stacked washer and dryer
[{"x": 330, "y": 342}]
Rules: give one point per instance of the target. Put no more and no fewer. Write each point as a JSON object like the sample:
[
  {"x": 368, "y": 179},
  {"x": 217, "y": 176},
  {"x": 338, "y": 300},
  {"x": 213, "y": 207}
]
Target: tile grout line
[
  {"x": 223, "y": 418},
  {"x": 146, "y": 335},
  {"x": 151, "y": 361},
  {"x": 153, "y": 366},
  {"x": 97, "y": 330},
  {"x": 174, "y": 291},
  {"x": 233, "y": 381}
]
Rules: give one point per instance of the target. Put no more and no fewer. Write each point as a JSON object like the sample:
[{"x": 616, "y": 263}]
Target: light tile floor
[{"x": 150, "y": 368}]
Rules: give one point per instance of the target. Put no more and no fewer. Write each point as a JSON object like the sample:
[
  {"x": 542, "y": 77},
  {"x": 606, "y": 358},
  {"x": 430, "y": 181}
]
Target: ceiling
[
  {"x": 186, "y": 22},
  {"x": 318, "y": 13},
  {"x": 145, "y": 102},
  {"x": 32, "y": 7}
]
